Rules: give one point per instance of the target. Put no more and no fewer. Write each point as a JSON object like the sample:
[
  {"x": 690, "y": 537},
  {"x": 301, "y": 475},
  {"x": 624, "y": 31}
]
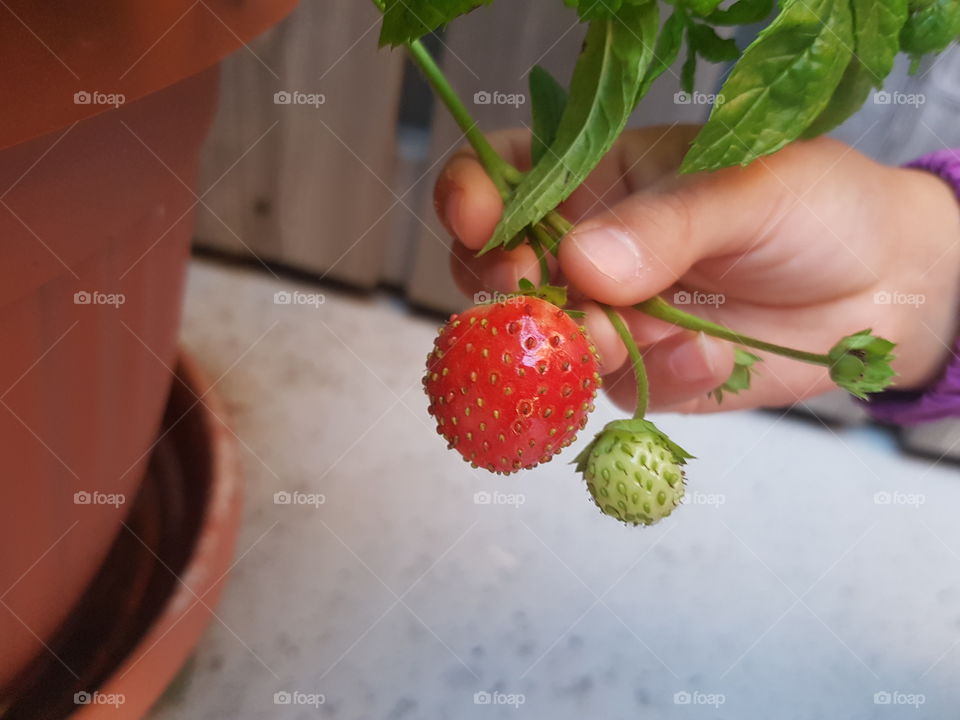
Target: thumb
[{"x": 646, "y": 242}]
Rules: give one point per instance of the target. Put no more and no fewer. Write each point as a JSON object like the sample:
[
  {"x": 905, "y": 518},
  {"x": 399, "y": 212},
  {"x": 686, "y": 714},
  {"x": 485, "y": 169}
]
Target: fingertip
[
  {"x": 467, "y": 202},
  {"x": 606, "y": 263},
  {"x": 499, "y": 270},
  {"x": 686, "y": 367},
  {"x": 609, "y": 346},
  {"x": 503, "y": 269}
]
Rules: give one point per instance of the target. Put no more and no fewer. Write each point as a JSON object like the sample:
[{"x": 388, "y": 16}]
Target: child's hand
[{"x": 800, "y": 248}]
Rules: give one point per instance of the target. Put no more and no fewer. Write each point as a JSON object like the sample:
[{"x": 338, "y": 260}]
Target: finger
[
  {"x": 686, "y": 366},
  {"x": 465, "y": 198},
  {"x": 645, "y": 243},
  {"x": 498, "y": 270},
  {"x": 683, "y": 367},
  {"x": 613, "y": 354},
  {"x": 776, "y": 383},
  {"x": 467, "y": 202},
  {"x": 604, "y": 337}
]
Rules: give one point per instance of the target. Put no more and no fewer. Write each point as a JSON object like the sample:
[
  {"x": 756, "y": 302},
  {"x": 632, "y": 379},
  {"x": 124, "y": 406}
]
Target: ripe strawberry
[
  {"x": 634, "y": 471},
  {"x": 511, "y": 383}
]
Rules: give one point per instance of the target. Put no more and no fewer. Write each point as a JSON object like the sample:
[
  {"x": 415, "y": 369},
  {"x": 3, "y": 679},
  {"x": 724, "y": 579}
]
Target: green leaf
[
  {"x": 930, "y": 27},
  {"x": 743, "y": 12},
  {"x": 603, "y": 92},
  {"x": 590, "y": 10},
  {"x": 782, "y": 83},
  {"x": 688, "y": 72},
  {"x": 711, "y": 46},
  {"x": 876, "y": 31},
  {"x": 556, "y": 294},
  {"x": 407, "y": 20},
  {"x": 851, "y": 93},
  {"x": 666, "y": 51},
  {"x": 548, "y": 100},
  {"x": 702, "y": 7},
  {"x": 740, "y": 377}
]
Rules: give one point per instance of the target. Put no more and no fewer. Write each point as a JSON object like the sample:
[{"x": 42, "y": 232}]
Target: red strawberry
[{"x": 511, "y": 383}]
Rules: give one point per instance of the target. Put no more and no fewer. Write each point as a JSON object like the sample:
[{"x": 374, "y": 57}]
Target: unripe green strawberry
[{"x": 634, "y": 471}]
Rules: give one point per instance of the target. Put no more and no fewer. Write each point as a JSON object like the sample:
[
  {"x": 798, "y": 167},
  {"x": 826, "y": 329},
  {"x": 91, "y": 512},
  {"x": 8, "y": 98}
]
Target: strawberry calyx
[
  {"x": 553, "y": 294},
  {"x": 860, "y": 363}
]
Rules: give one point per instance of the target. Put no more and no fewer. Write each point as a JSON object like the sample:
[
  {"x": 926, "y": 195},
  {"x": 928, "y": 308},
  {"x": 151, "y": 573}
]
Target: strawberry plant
[{"x": 511, "y": 383}]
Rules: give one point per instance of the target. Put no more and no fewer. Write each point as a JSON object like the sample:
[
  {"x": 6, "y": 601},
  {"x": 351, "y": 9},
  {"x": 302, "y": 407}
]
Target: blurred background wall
[{"x": 342, "y": 188}]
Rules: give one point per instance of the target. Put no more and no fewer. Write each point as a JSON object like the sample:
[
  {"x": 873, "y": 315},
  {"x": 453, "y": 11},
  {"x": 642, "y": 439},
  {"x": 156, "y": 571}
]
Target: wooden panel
[
  {"x": 307, "y": 185},
  {"x": 494, "y": 49}
]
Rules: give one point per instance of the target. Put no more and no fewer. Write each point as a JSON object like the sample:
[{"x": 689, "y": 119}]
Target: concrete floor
[{"x": 814, "y": 569}]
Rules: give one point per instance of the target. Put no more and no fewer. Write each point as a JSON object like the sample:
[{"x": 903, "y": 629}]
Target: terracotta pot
[
  {"x": 84, "y": 383},
  {"x": 117, "y": 651},
  {"x": 95, "y": 224}
]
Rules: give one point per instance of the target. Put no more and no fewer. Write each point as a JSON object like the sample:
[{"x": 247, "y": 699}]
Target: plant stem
[
  {"x": 504, "y": 175},
  {"x": 657, "y": 307},
  {"x": 558, "y": 222},
  {"x": 500, "y": 171},
  {"x": 542, "y": 243},
  {"x": 639, "y": 369}
]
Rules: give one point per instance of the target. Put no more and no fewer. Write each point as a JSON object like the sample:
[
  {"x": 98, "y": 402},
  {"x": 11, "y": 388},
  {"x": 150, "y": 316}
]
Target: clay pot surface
[
  {"x": 60, "y": 58},
  {"x": 95, "y": 240}
]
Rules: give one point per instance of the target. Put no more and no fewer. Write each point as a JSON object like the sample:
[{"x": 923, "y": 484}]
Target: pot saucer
[{"x": 145, "y": 610}]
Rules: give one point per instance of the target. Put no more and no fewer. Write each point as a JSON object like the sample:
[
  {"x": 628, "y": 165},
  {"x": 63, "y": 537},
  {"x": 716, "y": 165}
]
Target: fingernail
[
  {"x": 611, "y": 251},
  {"x": 694, "y": 361}
]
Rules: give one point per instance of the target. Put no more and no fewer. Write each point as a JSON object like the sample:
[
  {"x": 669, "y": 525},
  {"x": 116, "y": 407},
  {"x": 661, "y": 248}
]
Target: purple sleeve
[{"x": 942, "y": 399}]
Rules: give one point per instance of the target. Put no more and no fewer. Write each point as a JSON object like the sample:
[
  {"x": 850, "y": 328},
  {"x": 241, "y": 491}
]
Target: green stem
[
  {"x": 503, "y": 174},
  {"x": 541, "y": 241},
  {"x": 657, "y": 307},
  {"x": 558, "y": 222},
  {"x": 639, "y": 369}
]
